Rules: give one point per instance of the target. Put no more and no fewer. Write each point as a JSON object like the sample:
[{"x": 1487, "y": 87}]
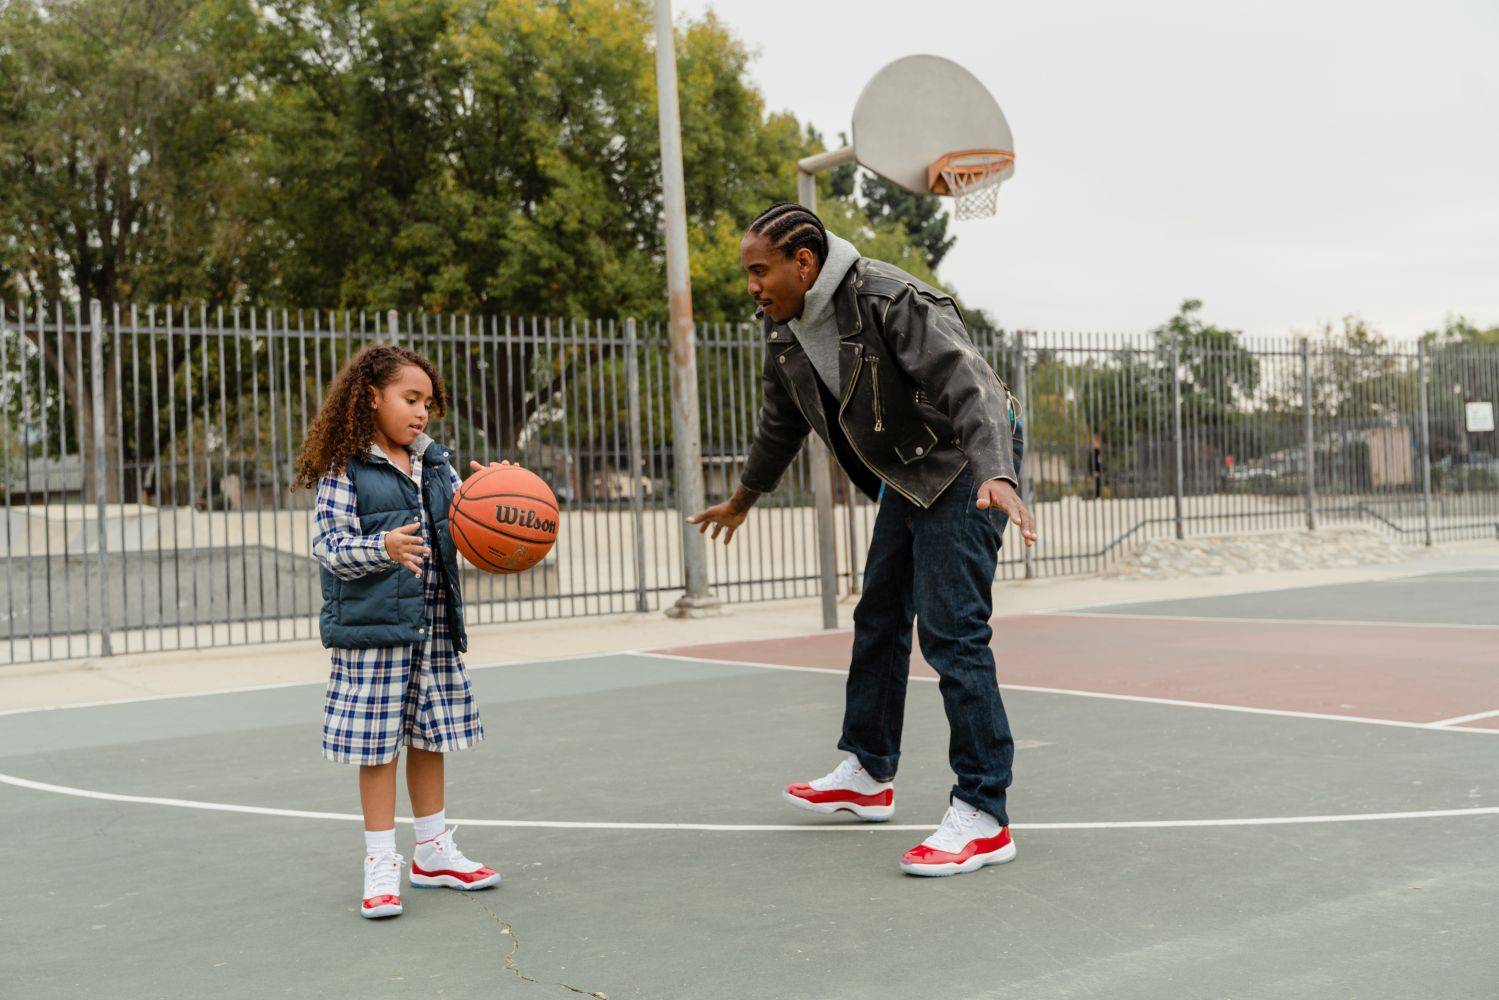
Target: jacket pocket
[{"x": 917, "y": 446}]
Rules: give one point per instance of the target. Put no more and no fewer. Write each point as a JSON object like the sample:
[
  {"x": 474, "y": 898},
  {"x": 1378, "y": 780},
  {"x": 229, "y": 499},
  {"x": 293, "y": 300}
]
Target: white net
[
  {"x": 972, "y": 179},
  {"x": 981, "y": 202}
]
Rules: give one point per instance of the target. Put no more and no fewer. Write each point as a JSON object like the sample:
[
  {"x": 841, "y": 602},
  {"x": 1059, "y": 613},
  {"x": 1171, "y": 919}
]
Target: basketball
[{"x": 504, "y": 520}]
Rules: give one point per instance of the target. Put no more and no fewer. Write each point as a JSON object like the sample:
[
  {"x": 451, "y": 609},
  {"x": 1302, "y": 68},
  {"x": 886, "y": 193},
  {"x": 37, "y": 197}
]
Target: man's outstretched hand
[
  {"x": 726, "y": 517},
  {"x": 998, "y": 493}
]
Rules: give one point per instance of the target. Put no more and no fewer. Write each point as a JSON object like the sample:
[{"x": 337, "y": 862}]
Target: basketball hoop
[{"x": 971, "y": 177}]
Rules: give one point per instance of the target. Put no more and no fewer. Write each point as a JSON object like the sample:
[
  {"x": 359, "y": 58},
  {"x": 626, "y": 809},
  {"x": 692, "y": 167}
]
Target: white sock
[
  {"x": 378, "y": 842},
  {"x": 428, "y": 827}
]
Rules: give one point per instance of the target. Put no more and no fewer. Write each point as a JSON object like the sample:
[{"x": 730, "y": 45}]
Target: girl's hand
[
  {"x": 492, "y": 465},
  {"x": 405, "y": 546}
]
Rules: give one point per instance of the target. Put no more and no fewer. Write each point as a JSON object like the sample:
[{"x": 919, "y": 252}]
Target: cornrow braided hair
[
  {"x": 788, "y": 227},
  {"x": 345, "y": 423}
]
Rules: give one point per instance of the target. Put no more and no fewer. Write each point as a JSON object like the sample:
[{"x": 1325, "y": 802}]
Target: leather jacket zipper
[
  {"x": 848, "y": 392},
  {"x": 874, "y": 378}
]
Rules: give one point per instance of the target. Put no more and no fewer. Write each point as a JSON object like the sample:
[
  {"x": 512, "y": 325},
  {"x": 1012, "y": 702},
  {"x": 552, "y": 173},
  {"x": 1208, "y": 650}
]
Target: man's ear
[{"x": 806, "y": 264}]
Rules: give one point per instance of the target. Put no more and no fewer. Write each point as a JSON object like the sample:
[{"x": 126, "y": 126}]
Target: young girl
[{"x": 392, "y": 611}]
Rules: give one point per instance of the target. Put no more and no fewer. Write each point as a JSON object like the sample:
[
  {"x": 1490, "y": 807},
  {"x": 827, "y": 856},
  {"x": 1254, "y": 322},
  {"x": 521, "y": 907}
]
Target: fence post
[
  {"x": 1425, "y": 441},
  {"x": 1311, "y": 451},
  {"x": 392, "y": 326},
  {"x": 632, "y": 392},
  {"x": 1176, "y": 429},
  {"x": 101, "y": 471},
  {"x": 1027, "y": 488}
]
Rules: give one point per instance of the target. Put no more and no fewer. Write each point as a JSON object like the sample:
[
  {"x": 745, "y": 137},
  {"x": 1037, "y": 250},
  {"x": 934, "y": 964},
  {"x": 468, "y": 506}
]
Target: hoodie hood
[{"x": 817, "y": 307}]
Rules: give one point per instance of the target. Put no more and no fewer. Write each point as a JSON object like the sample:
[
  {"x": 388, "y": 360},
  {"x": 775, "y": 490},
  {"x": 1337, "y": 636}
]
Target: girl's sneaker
[
  {"x": 967, "y": 840},
  {"x": 849, "y": 788},
  {"x": 438, "y": 862},
  {"x": 382, "y": 885}
]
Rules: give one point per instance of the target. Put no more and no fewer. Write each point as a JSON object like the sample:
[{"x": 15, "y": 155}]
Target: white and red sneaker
[
  {"x": 848, "y": 788},
  {"x": 382, "y": 884},
  {"x": 967, "y": 840},
  {"x": 438, "y": 863}
]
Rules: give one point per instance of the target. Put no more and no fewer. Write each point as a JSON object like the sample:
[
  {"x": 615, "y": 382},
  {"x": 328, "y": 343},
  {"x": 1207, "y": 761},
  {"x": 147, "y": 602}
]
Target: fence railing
[{"x": 146, "y": 459}]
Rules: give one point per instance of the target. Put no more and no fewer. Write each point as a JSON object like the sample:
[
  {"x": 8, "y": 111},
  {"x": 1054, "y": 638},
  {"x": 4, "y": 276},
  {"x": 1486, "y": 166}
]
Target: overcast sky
[{"x": 1286, "y": 162}]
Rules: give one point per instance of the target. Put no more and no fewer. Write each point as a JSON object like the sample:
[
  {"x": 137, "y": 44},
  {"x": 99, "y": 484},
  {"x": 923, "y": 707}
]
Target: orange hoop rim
[{"x": 986, "y": 163}]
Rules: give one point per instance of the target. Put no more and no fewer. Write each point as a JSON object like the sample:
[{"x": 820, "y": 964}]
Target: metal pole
[
  {"x": 392, "y": 326},
  {"x": 1176, "y": 429},
  {"x": 1311, "y": 452},
  {"x": 1425, "y": 441},
  {"x": 101, "y": 470},
  {"x": 822, "y": 471},
  {"x": 632, "y": 390},
  {"x": 687, "y": 443},
  {"x": 1027, "y": 488}
]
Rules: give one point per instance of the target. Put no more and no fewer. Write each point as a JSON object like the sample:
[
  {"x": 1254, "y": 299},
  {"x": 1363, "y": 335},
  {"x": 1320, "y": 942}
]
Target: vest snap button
[
  {"x": 782, "y": 359},
  {"x": 919, "y": 449}
]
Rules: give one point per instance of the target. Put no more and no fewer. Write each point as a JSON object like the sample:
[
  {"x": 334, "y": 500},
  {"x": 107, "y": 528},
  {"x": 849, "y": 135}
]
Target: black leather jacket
[{"x": 918, "y": 404}]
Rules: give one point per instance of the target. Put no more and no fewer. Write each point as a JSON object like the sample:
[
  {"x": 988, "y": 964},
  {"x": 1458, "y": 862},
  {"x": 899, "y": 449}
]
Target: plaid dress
[{"x": 379, "y": 699}]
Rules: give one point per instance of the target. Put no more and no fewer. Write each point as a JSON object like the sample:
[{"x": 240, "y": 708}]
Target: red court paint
[{"x": 1409, "y": 675}]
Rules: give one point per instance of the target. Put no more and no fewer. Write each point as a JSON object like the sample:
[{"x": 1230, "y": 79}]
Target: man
[{"x": 880, "y": 366}]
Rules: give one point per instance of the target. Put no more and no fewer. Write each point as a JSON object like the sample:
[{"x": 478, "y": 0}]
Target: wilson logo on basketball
[
  {"x": 506, "y": 514},
  {"x": 504, "y": 519}
]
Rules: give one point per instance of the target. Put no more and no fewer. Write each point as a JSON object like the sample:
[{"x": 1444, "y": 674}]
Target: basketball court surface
[{"x": 1291, "y": 793}]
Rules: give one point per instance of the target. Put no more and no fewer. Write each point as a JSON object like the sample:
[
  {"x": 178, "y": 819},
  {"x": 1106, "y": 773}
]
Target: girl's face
[{"x": 403, "y": 406}]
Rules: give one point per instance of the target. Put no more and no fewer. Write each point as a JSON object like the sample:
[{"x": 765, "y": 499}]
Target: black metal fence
[{"x": 146, "y": 459}]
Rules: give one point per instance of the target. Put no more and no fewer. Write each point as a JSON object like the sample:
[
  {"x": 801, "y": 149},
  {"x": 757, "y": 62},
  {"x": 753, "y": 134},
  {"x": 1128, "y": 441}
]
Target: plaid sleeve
[{"x": 337, "y": 541}]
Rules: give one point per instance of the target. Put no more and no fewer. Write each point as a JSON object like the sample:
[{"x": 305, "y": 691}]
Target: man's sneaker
[
  {"x": 382, "y": 885},
  {"x": 438, "y": 862},
  {"x": 849, "y": 788},
  {"x": 967, "y": 840}
]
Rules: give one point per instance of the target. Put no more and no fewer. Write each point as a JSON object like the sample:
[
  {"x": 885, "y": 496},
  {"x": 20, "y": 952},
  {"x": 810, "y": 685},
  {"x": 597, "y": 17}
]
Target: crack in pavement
[{"x": 508, "y": 929}]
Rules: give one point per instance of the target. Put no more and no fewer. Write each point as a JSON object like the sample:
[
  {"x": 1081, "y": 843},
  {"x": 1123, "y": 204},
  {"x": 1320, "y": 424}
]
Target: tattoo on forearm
[{"x": 743, "y": 499}]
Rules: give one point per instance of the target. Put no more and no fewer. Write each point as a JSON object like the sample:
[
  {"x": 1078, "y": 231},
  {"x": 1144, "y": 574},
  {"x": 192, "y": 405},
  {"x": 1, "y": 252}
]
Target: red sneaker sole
[
  {"x": 452, "y": 882},
  {"x": 973, "y": 864},
  {"x": 874, "y": 814}
]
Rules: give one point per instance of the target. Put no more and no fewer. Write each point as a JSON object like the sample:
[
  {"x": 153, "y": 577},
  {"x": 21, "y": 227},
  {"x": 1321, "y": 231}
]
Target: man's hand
[
  {"x": 726, "y": 517},
  {"x": 475, "y": 466},
  {"x": 405, "y": 546},
  {"x": 999, "y": 493}
]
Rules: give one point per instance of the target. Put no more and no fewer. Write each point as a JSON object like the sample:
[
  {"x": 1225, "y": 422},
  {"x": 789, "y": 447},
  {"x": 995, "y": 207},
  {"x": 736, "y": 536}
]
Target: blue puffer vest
[{"x": 387, "y": 607}]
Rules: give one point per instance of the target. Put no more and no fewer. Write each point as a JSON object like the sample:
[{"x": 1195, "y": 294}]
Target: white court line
[
  {"x": 1439, "y": 726},
  {"x": 1465, "y": 718},
  {"x": 1147, "y": 616},
  {"x": 1148, "y": 824}
]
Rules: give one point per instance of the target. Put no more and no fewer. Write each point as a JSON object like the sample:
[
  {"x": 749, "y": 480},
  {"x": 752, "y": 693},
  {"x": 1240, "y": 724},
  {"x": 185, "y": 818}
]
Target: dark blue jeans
[{"x": 936, "y": 567}]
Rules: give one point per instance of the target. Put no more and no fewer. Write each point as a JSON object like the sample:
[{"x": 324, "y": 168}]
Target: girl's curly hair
[{"x": 345, "y": 423}]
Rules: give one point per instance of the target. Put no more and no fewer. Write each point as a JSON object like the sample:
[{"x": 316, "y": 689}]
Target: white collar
[{"x": 417, "y": 448}]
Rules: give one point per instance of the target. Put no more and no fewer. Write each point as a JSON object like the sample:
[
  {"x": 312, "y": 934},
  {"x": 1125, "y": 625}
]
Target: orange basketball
[{"x": 504, "y": 520}]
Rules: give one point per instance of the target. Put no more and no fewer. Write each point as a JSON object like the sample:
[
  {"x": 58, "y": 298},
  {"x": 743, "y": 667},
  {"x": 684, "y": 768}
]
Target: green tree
[
  {"x": 921, "y": 216},
  {"x": 120, "y": 134},
  {"x": 482, "y": 156}
]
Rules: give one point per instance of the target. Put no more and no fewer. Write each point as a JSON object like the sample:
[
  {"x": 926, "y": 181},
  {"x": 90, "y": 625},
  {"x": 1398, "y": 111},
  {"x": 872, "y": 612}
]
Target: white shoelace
[
  {"x": 957, "y": 828},
  {"x": 448, "y": 850},
  {"x": 382, "y": 875},
  {"x": 840, "y": 777}
]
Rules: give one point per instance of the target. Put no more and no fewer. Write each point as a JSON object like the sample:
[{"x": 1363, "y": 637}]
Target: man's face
[{"x": 776, "y": 282}]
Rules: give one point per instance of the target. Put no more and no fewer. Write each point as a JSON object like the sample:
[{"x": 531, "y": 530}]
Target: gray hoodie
[{"x": 816, "y": 329}]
